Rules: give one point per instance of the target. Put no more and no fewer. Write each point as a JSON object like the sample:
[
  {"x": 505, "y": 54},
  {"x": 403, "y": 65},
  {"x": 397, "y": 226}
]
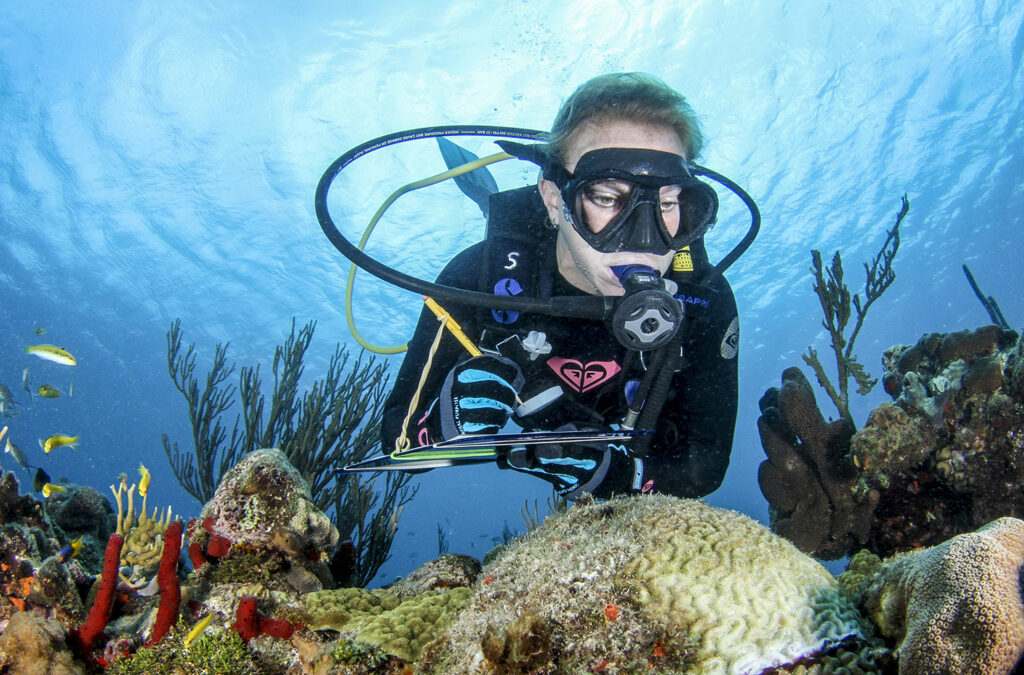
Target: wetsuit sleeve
[
  {"x": 462, "y": 272},
  {"x": 690, "y": 453}
]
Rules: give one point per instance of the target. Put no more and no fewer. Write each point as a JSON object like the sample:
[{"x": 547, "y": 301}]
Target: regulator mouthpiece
[{"x": 648, "y": 316}]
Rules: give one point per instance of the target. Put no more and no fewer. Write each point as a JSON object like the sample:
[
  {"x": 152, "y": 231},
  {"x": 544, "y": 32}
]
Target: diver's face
[{"x": 582, "y": 266}]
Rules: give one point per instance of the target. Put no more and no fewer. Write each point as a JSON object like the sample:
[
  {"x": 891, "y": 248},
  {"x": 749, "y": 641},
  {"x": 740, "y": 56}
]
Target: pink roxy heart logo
[{"x": 583, "y": 377}]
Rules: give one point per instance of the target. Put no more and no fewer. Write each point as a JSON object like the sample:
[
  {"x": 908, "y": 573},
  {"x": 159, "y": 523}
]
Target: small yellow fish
[
  {"x": 197, "y": 629},
  {"x": 3, "y": 432},
  {"x": 59, "y": 441},
  {"x": 71, "y": 550},
  {"x": 51, "y": 353},
  {"x": 144, "y": 481},
  {"x": 40, "y": 330},
  {"x": 51, "y": 489},
  {"x": 48, "y": 391}
]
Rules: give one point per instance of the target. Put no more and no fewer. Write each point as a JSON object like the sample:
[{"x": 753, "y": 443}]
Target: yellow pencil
[{"x": 452, "y": 325}]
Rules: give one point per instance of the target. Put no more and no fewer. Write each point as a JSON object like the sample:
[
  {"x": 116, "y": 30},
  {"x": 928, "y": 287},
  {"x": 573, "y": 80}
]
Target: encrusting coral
[
  {"x": 646, "y": 582},
  {"x": 956, "y": 607},
  {"x": 384, "y": 622}
]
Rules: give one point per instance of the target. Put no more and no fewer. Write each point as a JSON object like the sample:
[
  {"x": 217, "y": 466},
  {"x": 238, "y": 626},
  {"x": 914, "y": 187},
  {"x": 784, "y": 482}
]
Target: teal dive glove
[
  {"x": 478, "y": 396},
  {"x": 575, "y": 469}
]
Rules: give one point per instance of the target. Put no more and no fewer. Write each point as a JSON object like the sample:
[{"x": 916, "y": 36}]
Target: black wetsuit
[{"x": 689, "y": 453}]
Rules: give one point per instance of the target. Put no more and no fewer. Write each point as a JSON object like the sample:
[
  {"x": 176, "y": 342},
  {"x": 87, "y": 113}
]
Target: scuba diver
[{"x": 617, "y": 213}]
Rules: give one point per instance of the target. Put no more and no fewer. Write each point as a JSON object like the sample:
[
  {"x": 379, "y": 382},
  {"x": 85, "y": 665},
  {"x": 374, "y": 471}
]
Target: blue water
[{"x": 159, "y": 161}]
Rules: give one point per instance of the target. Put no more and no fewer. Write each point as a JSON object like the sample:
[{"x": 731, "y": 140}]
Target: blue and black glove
[
  {"x": 478, "y": 396},
  {"x": 600, "y": 469}
]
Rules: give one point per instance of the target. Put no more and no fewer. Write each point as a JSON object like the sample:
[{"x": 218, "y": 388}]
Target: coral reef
[
  {"x": 264, "y": 505},
  {"x": 943, "y": 458},
  {"x": 646, "y": 582},
  {"x": 947, "y": 455},
  {"x": 808, "y": 478},
  {"x": 32, "y": 575},
  {"x": 335, "y": 423},
  {"x": 33, "y": 644},
  {"x": 954, "y": 608}
]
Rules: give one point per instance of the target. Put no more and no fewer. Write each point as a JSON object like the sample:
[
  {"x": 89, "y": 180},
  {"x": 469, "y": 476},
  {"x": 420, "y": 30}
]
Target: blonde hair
[{"x": 634, "y": 97}]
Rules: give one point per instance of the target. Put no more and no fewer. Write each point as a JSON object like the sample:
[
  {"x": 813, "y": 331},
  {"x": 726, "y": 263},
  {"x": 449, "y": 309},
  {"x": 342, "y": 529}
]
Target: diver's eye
[
  {"x": 607, "y": 194},
  {"x": 669, "y": 197},
  {"x": 605, "y": 200}
]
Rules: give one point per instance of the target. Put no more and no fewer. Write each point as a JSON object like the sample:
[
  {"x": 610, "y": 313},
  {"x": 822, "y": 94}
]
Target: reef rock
[
  {"x": 647, "y": 582},
  {"x": 954, "y": 608},
  {"x": 31, "y": 577},
  {"x": 451, "y": 570},
  {"x": 258, "y": 546},
  {"x": 32, "y": 644},
  {"x": 947, "y": 455},
  {"x": 263, "y": 503}
]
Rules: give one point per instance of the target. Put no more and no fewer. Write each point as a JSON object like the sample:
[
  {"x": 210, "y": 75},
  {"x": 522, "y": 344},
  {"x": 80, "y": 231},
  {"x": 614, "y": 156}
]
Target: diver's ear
[{"x": 552, "y": 198}]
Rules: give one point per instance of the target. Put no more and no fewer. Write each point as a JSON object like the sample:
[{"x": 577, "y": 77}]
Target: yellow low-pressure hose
[{"x": 451, "y": 173}]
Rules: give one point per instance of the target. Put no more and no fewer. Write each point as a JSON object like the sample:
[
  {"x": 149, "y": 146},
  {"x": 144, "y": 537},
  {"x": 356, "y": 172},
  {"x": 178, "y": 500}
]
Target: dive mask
[{"x": 633, "y": 199}]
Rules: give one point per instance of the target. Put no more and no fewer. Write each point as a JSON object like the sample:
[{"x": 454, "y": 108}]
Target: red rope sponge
[
  {"x": 170, "y": 588},
  {"x": 85, "y": 636}
]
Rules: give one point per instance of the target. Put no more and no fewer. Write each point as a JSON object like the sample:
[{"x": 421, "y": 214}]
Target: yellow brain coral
[
  {"x": 753, "y": 599},
  {"x": 650, "y": 582},
  {"x": 956, "y": 607}
]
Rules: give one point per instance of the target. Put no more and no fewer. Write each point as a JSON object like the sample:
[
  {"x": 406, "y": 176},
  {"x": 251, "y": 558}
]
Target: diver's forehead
[{"x": 621, "y": 134}]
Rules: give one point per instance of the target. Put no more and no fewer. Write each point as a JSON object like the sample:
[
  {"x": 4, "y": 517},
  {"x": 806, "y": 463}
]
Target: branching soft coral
[
  {"x": 336, "y": 422},
  {"x": 836, "y": 304}
]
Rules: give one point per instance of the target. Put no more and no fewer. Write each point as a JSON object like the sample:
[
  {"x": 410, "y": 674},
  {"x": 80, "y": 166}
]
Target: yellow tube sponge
[{"x": 955, "y": 607}]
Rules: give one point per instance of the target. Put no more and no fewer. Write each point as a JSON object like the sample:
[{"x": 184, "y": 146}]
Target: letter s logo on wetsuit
[
  {"x": 582, "y": 377},
  {"x": 506, "y": 286}
]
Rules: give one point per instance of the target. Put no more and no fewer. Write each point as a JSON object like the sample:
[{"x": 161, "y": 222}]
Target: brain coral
[
  {"x": 956, "y": 607},
  {"x": 648, "y": 582}
]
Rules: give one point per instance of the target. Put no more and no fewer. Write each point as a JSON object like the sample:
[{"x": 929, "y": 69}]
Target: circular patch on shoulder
[{"x": 731, "y": 340}]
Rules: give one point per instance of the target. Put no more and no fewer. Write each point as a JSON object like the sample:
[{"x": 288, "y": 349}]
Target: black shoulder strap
[
  {"x": 518, "y": 215},
  {"x": 516, "y": 250}
]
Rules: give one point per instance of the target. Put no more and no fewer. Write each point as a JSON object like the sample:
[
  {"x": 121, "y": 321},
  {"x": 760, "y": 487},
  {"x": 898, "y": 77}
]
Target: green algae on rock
[{"x": 648, "y": 581}]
